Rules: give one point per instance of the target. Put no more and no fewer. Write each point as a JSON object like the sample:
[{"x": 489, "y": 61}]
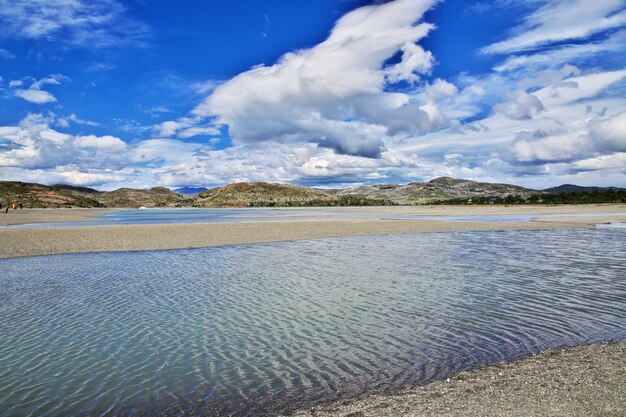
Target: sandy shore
[
  {"x": 580, "y": 381},
  {"x": 32, "y": 216},
  {"x": 19, "y": 242}
]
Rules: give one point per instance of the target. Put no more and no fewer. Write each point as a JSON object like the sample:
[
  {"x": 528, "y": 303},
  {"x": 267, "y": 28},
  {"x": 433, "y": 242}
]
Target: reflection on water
[{"x": 264, "y": 328}]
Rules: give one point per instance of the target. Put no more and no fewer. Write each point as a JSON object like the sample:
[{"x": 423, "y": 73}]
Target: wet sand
[
  {"x": 580, "y": 381},
  {"x": 20, "y": 242},
  {"x": 33, "y": 216}
]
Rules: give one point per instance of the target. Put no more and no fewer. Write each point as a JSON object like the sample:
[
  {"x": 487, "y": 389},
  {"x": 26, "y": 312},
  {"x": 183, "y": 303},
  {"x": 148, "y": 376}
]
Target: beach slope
[{"x": 580, "y": 381}]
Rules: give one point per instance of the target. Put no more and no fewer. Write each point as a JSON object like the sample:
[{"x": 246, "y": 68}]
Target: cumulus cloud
[
  {"x": 603, "y": 162},
  {"x": 562, "y": 20},
  {"x": 610, "y": 134},
  {"x": 307, "y": 96},
  {"x": 89, "y": 24},
  {"x": 33, "y": 144},
  {"x": 579, "y": 129},
  {"x": 357, "y": 108},
  {"x": 522, "y": 106},
  {"x": 415, "y": 60},
  {"x": 551, "y": 148},
  {"x": 110, "y": 143}
]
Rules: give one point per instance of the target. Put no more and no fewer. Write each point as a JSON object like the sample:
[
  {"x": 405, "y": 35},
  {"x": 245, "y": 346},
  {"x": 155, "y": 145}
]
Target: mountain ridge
[{"x": 442, "y": 190}]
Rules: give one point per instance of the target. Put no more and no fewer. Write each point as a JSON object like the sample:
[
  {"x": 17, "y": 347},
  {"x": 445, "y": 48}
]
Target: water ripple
[{"x": 259, "y": 329}]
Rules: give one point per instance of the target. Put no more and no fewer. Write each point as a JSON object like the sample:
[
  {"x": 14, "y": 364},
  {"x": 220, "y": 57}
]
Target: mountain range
[{"x": 262, "y": 194}]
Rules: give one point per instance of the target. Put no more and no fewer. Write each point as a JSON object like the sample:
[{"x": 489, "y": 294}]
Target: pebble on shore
[{"x": 579, "y": 381}]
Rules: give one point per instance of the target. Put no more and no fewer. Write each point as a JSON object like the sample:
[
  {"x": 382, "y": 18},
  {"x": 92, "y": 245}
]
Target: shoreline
[
  {"x": 21, "y": 242},
  {"x": 76, "y": 215},
  {"x": 80, "y": 239},
  {"x": 42, "y": 216},
  {"x": 585, "y": 380}
]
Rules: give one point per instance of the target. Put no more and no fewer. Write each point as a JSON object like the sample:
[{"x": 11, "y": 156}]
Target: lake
[{"x": 255, "y": 329}]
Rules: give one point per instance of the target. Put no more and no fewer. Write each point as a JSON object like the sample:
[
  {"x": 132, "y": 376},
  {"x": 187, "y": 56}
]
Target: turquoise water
[{"x": 261, "y": 329}]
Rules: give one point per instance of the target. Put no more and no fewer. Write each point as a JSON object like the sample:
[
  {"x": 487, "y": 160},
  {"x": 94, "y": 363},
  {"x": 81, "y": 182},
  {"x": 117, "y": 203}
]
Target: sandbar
[
  {"x": 580, "y": 381},
  {"x": 33, "y": 216},
  {"x": 19, "y": 242}
]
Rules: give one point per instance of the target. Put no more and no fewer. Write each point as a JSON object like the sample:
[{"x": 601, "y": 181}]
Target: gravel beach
[
  {"x": 579, "y": 381},
  {"x": 75, "y": 239}
]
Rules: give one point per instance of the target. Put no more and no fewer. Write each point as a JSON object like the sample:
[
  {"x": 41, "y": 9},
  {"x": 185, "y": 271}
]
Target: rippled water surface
[{"x": 257, "y": 329}]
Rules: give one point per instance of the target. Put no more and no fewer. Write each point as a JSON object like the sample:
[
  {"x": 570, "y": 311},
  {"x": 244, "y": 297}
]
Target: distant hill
[
  {"x": 442, "y": 190},
  {"x": 261, "y": 194},
  {"x": 190, "y": 190},
  {"x": 570, "y": 188},
  {"x": 135, "y": 198},
  {"x": 42, "y": 196},
  {"x": 439, "y": 189}
]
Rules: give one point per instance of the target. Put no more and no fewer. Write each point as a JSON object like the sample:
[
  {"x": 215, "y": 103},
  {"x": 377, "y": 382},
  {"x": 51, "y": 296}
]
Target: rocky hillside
[
  {"x": 262, "y": 194},
  {"x": 42, "y": 196},
  {"x": 135, "y": 198},
  {"x": 439, "y": 189}
]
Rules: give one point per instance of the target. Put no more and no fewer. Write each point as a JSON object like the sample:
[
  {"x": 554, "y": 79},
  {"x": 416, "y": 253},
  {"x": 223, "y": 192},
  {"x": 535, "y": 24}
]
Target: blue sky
[{"x": 327, "y": 93}]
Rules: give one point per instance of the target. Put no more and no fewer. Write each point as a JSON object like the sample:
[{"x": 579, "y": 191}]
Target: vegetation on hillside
[
  {"x": 601, "y": 196},
  {"x": 40, "y": 196},
  {"x": 262, "y": 194},
  {"x": 135, "y": 198}
]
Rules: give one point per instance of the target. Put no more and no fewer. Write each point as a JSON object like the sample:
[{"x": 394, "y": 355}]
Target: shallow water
[
  {"x": 265, "y": 328},
  {"x": 213, "y": 215}
]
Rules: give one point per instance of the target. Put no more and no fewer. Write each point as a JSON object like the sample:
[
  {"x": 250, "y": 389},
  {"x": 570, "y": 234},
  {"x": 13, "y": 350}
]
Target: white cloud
[
  {"x": 53, "y": 79},
  {"x": 415, "y": 60},
  {"x": 169, "y": 128},
  {"x": 562, "y": 20},
  {"x": 578, "y": 127},
  {"x": 107, "y": 142},
  {"x": 552, "y": 148},
  {"x": 158, "y": 110},
  {"x": 184, "y": 128},
  {"x": 307, "y": 96},
  {"x": 610, "y": 133},
  {"x": 36, "y": 96},
  {"x": 34, "y": 93},
  {"x": 89, "y": 24},
  {"x": 197, "y": 131},
  {"x": 603, "y": 162},
  {"x": 559, "y": 55},
  {"x": 329, "y": 115},
  {"x": 65, "y": 121},
  {"x": 522, "y": 106}
]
